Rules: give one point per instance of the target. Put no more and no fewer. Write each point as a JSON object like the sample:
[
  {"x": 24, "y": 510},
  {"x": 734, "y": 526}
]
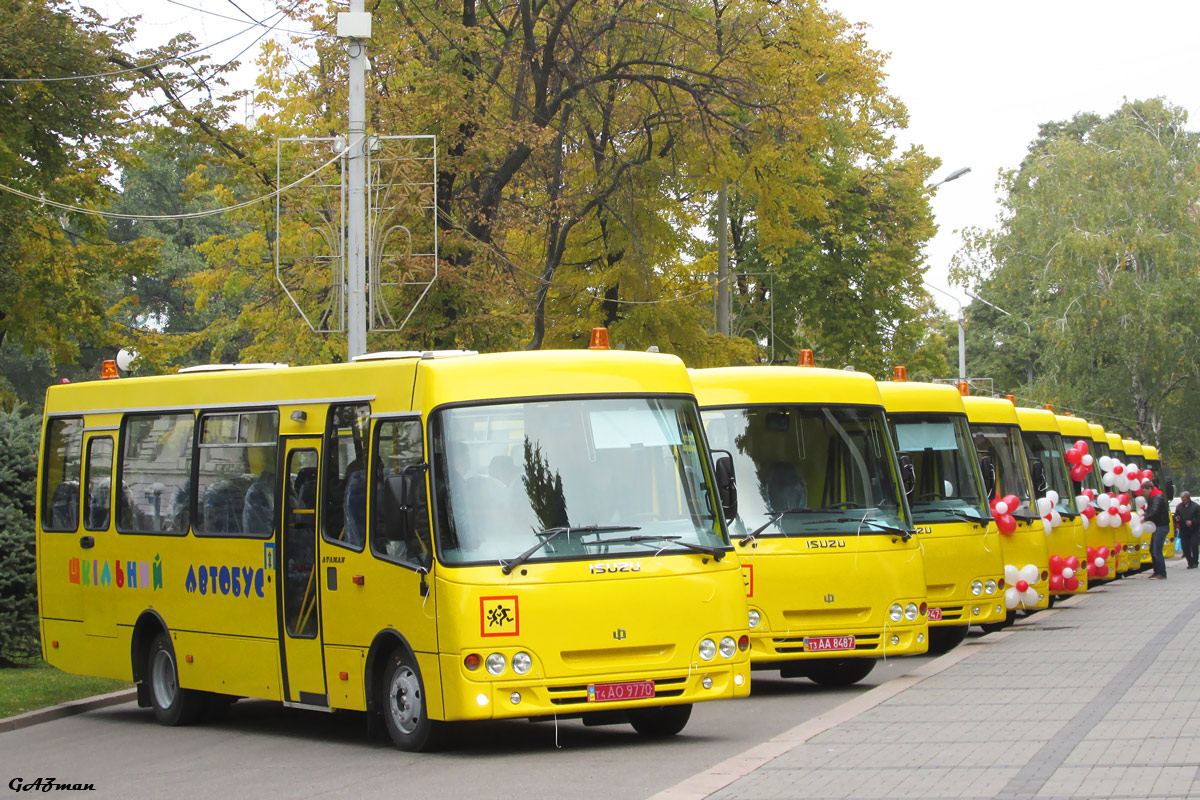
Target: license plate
[
  {"x": 935, "y": 614},
  {"x": 608, "y": 692},
  {"x": 822, "y": 644}
]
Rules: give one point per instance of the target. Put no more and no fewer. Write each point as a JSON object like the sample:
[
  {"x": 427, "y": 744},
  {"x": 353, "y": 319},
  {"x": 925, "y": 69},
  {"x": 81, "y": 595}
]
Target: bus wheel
[
  {"x": 839, "y": 672},
  {"x": 661, "y": 721},
  {"x": 404, "y": 707},
  {"x": 172, "y": 705},
  {"x": 945, "y": 638}
]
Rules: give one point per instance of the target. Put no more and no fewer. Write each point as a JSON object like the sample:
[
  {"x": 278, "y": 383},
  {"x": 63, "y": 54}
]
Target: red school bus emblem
[{"x": 499, "y": 616}]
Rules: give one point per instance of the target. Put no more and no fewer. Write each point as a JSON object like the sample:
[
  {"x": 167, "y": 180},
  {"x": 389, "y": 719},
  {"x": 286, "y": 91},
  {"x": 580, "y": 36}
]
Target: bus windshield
[
  {"x": 585, "y": 478},
  {"x": 1002, "y": 460},
  {"x": 947, "y": 483},
  {"x": 1047, "y": 448},
  {"x": 810, "y": 470}
]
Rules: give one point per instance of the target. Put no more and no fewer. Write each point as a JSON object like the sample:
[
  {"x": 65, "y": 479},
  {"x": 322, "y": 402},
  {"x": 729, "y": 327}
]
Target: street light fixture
[
  {"x": 953, "y": 176},
  {"x": 1028, "y": 330}
]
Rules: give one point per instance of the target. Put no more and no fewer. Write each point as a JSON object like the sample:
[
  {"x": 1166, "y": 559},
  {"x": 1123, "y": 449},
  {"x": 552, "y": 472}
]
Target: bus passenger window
[
  {"x": 99, "y": 484},
  {"x": 344, "y": 509},
  {"x": 398, "y": 446},
  {"x": 156, "y": 466},
  {"x": 60, "y": 475},
  {"x": 236, "y": 473}
]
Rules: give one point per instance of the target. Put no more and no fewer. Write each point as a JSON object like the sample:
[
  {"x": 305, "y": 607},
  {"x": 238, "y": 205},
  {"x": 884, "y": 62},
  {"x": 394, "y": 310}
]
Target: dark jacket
[
  {"x": 1158, "y": 512},
  {"x": 1185, "y": 513}
]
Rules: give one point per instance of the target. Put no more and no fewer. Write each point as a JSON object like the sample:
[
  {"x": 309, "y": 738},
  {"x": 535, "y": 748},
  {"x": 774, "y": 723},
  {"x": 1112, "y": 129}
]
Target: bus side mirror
[
  {"x": 1037, "y": 471},
  {"x": 1170, "y": 485},
  {"x": 727, "y": 485},
  {"x": 988, "y": 468},
  {"x": 908, "y": 473}
]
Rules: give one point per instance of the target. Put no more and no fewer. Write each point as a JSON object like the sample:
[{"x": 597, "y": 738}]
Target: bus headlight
[
  {"x": 755, "y": 618},
  {"x": 896, "y": 612},
  {"x": 708, "y": 649},
  {"x": 728, "y": 647},
  {"x": 495, "y": 663},
  {"x": 521, "y": 662},
  {"x": 977, "y": 588},
  {"x": 990, "y": 587},
  {"x": 911, "y": 611}
]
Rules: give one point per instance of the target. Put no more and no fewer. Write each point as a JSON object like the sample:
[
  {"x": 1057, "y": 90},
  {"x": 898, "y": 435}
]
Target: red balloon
[
  {"x": 1071, "y": 583},
  {"x": 1092, "y": 571},
  {"x": 1056, "y": 583},
  {"x": 1091, "y": 554},
  {"x": 1082, "y": 446},
  {"x": 1148, "y": 474},
  {"x": 1078, "y": 473},
  {"x": 1006, "y": 523},
  {"x": 1022, "y": 585},
  {"x": 1056, "y": 564},
  {"x": 1123, "y": 499},
  {"x": 1116, "y": 549},
  {"x": 1118, "y": 469},
  {"x": 1012, "y": 500},
  {"x": 1126, "y": 516},
  {"x": 1089, "y": 512},
  {"x": 1073, "y": 561},
  {"x": 1103, "y": 571},
  {"x": 1073, "y": 456}
]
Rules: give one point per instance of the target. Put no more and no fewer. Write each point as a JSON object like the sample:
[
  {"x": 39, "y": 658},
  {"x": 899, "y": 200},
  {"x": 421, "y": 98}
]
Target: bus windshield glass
[
  {"x": 1047, "y": 448},
  {"x": 810, "y": 470},
  {"x": 946, "y": 480},
  {"x": 584, "y": 478},
  {"x": 1002, "y": 460}
]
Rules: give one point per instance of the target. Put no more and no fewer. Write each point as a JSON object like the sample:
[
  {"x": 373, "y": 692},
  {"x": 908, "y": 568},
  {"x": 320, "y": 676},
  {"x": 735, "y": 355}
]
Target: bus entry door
[{"x": 300, "y": 634}]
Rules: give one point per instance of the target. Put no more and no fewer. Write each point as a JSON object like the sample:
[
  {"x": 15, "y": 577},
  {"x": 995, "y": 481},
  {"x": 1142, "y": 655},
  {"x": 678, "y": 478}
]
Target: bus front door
[{"x": 300, "y": 622}]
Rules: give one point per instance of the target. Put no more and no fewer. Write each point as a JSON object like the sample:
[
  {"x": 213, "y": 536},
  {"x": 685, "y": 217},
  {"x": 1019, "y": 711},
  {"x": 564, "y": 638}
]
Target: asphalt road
[{"x": 265, "y": 750}]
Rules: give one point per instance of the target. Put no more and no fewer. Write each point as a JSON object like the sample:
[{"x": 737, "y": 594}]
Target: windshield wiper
[
  {"x": 716, "y": 552},
  {"x": 1024, "y": 514},
  {"x": 550, "y": 534},
  {"x": 903, "y": 533},
  {"x": 954, "y": 512},
  {"x": 752, "y": 535}
]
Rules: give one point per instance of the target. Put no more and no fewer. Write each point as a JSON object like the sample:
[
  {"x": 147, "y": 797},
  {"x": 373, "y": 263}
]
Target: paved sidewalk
[{"x": 1097, "y": 698}]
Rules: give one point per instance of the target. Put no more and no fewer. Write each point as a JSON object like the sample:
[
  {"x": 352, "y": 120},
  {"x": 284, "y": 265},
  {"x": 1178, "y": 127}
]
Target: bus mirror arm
[{"x": 726, "y": 484}]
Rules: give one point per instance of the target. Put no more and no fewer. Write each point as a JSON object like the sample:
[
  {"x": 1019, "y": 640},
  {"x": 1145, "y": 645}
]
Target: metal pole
[
  {"x": 962, "y": 345},
  {"x": 723, "y": 259},
  {"x": 356, "y": 217}
]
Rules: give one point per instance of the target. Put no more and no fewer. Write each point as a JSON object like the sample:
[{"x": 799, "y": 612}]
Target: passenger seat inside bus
[
  {"x": 64, "y": 506},
  {"x": 785, "y": 488}
]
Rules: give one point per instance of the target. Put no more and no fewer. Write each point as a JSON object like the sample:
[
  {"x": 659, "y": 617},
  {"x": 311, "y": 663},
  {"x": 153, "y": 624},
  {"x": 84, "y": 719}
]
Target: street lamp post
[
  {"x": 962, "y": 335},
  {"x": 1028, "y": 329},
  {"x": 953, "y": 176}
]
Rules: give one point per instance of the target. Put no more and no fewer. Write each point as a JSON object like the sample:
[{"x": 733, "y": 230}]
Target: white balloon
[
  {"x": 1104, "y": 501},
  {"x": 1052, "y": 496},
  {"x": 1086, "y": 522},
  {"x": 1109, "y": 479},
  {"x": 1087, "y": 460},
  {"x": 1012, "y": 597},
  {"x": 1044, "y": 504},
  {"x": 1001, "y": 507},
  {"x": 1047, "y": 526},
  {"x": 1068, "y": 573},
  {"x": 1149, "y": 527},
  {"x": 1082, "y": 502},
  {"x": 1011, "y": 574},
  {"x": 1030, "y": 573},
  {"x": 1139, "y": 502},
  {"x": 1029, "y": 597},
  {"x": 1098, "y": 563},
  {"x": 1105, "y": 463}
]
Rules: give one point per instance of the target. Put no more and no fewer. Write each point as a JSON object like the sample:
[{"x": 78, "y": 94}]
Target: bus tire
[
  {"x": 172, "y": 704},
  {"x": 945, "y": 638},
  {"x": 660, "y": 722},
  {"x": 996, "y": 627},
  {"x": 839, "y": 671},
  {"x": 405, "y": 712}
]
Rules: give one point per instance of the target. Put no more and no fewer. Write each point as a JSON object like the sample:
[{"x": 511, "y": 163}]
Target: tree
[
  {"x": 1099, "y": 252},
  {"x": 18, "y": 581}
]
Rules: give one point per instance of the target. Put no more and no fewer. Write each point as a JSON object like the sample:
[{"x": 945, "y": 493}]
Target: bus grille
[
  {"x": 952, "y": 612},
  {"x": 577, "y": 693},
  {"x": 863, "y": 642}
]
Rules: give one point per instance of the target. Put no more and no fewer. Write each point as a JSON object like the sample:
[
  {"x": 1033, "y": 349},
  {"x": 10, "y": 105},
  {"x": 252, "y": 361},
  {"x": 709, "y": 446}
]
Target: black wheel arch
[
  {"x": 385, "y": 642},
  {"x": 149, "y": 624}
]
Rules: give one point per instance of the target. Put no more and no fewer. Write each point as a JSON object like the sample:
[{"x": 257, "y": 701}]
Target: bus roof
[
  {"x": 990, "y": 410},
  {"x": 1037, "y": 419},
  {"x": 1132, "y": 447},
  {"x": 1115, "y": 442},
  {"x": 1098, "y": 433},
  {"x": 1150, "y": 452},
  {"x": 1073, "y": 427},
  {"x": 391, "y": 384},
  {"x": 903, "y": 397},
  {"x": 739, "y": 386}
]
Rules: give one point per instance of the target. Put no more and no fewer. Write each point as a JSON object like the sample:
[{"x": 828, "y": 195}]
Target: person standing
[
  {"x": 1158, "y": 513},
  {"x": 1187, "y": 525}
]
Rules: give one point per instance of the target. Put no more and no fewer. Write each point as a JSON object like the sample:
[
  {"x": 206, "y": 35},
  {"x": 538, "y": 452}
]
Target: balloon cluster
[
  {"x": 1114, "y": 510},
  {"x": 1083, "y": 504},
  {"x": 1097, "y": 558},
  {"x": 1138, "y": 523},
  {"x": 1080, "y": 460},
  {"x": 1020, "y": 586},
  {"x": 1002, "y": 508},
  {"x": 1051, "y": 519},
  {"x": 1123, "y": 477},
  {"x": 1063, "y": 573}
]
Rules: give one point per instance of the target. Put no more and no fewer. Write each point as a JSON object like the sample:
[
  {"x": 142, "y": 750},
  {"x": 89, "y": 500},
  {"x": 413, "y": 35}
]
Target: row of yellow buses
[{"x": 433, "y": 537}]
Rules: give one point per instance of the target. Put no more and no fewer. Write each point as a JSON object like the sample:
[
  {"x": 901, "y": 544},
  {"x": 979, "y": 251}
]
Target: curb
[
  {"x": 721, "y": 775},
  {"x": 66, "y": 709}
]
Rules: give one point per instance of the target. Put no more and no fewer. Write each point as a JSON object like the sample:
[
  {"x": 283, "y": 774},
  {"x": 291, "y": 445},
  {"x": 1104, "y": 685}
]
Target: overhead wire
[{"x": 313, "y": 34}]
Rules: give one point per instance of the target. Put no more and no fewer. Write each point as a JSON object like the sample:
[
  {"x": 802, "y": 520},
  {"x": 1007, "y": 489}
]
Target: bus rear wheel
[
  {"x": 172, "y": 705},
  {"x": 662, "y": 721},
  {"x": 840, "y": 671},
  {"x": 944, "y": 638},
  {"x": 404, "y": 708}
]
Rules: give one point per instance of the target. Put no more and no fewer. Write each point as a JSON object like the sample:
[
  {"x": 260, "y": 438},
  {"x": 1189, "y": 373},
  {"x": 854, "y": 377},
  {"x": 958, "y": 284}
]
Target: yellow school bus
[
  {"x": 1065, "y": 538},
  {"x": 963, "y": 564},
  {"x": 833, "y": 570},
  {"x": 1133, "y": 451},
  {"x": 997, "y": 437},
  {"x": 1129, "y": 559},
  {"x": 1103, "y": 542},
  {"x": 1074, "y": 430},
  {"x": 1154, "y": 464},
  {"x": 425, "y": 537}
]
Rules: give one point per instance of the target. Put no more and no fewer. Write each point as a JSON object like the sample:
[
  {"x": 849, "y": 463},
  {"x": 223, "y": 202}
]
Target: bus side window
[
  {"x": 235, "y": 484},
  {"x": 99, "y": 484},
  {"x": 344, "y": 509},
  {"x": 155, "y": 473},
  {"x": 397, "y": 446},
  {"x": 60, "y": 475}
]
